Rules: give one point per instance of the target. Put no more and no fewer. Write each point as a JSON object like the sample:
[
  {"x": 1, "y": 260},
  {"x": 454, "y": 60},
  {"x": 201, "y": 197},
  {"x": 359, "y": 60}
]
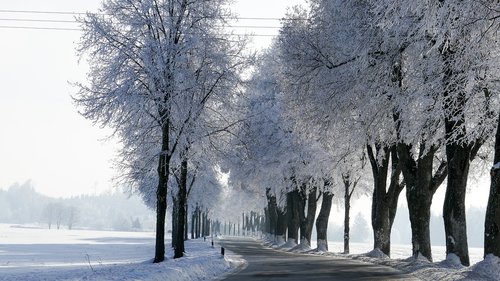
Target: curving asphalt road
[{"x": 268, "y": 264}]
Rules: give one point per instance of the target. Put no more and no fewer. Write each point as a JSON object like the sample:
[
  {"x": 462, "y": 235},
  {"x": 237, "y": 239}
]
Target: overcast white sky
[{"x": 42, "y": 137}]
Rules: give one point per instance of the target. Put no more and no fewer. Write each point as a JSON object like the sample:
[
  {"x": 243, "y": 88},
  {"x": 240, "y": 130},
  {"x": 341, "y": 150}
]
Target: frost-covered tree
[
  {"x": 332, "y": 66},
  {"x": 467, "y": 49},
  {"x": 155, "y": 65},
  {"x": 446, "y": 74}
]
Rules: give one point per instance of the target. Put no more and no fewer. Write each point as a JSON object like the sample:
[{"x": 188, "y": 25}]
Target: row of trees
[
  {"x": 163, "y": 75},
  {"x": 410, "y": 88},
  {"x": 405, "y": 89},
  {"x": 59, "y": 214}
]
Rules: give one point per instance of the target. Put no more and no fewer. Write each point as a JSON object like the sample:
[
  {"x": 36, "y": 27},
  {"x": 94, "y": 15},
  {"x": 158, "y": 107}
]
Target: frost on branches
[{"x": 156, "y": 68}]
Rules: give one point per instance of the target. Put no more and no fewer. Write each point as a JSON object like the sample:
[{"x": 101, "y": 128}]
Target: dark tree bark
[
  {"x": 181, "y": 211},
  {"x": 322, "y": 221},
  {"x": 207, "y": 224},
  {"x": 459, "y": 154},
  {"x": 281, "y": 224},
  {"x": 202, "y": 227},
  {"x": 198, "y": 221},
  {"x": 421, "y": 186},
  {"x": 193, "y": 218},
  {"x": 186, "y": 224},
  {"x": 454, "y": 203},
  {"x": 293, "y": 212},
  {"x": 492, "y": 220},
  {"x": 348, "y": 191},
  {"x": 174, "y": 220},
  {"x": 384, "y": 200},
  {"x": 272, "y": 212},
  {"x": 161, "y": 194},
  {"x": 243, "y": 220},
  {"x": 307, "y": 221}
]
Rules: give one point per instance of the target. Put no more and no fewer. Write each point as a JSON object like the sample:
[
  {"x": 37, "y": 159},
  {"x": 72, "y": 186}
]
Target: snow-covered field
[{"x": 41, "y": 254}]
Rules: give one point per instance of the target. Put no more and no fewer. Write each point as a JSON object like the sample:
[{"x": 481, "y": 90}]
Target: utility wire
[
  {"x": 38, "y": 20},
  {"x": 40, "y": 12},
  {"x": 80, "y": 13},
  {"x": 38, "y": 28},
  {"x": 11, "y": 22},
  {"x": 76, "y": 22},
  {"x": 78, "y": 29}
]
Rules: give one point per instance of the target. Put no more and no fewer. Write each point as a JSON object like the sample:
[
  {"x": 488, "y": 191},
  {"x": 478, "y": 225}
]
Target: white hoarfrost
[
  {"x": 489, "y": 267},
  {"x": 322, "y": 245},
  {"x": 291, "y": 243},
  {"x": 496, "y": 166},
  {"x": 302, "y": 247},
  {"x": 453, "y": 261},
  {"x": 279, "y": 241},
  {"x": 377, "y": 253}
]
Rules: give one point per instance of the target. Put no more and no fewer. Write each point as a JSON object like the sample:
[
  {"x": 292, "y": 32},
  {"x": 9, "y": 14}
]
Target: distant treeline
[{"x": 21, "y": 204}]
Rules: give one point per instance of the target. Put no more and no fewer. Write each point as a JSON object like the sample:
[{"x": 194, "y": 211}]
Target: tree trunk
[
  {"x": 322, "y": 222},
  {"x": 454, "y": 203},
  {"x": 207, "y": 222},
  {"x": 419, "y": 207},
  {"x": 174, "y": 220},
  {"x": 181, "y": 211},
  {"x": 243, "y": 222},
  {"x": 272, "y": 211},
  {"x": 186, "y": 222},
  {"x": 193, "y": 218},
  {"x": 384, "y": 200},
  {"x": 492, "y": 221},
  {"x": 281, "y": 225},
  {"x": 347, "y": 210},
  {"x": 161, "y": 195},
  {"x": 380, "y": 207},
  {"x": 421, "y": 186},
  {"x": 198, "y": 220},
  {"x": 307, "y": 221},
  {"x": 458, "y": 156},
  {"x": 312, "y": 205},
  {"x": 293, "y": 207},
  {"x": 202, "y": 227}
]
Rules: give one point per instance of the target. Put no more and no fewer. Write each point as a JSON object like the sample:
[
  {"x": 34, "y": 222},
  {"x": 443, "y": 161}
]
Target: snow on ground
[
  {"x": 400, "y": 251},
  {"x": 445, "y": 269},
  {"x": 41, "y": 254}
]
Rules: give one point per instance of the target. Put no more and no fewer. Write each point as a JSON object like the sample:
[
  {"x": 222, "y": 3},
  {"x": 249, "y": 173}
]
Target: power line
[
  {"x": 38, "y": 28},
  {"x": 81, "y": 13},
  {"x": 78, "y": 29},
  {"x": 38, "y": 20},
  {"x": 76, "y": 22}
]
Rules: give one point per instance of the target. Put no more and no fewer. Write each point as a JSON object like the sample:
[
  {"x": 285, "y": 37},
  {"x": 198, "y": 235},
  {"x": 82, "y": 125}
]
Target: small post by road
[{"x": 222, "y": 250}]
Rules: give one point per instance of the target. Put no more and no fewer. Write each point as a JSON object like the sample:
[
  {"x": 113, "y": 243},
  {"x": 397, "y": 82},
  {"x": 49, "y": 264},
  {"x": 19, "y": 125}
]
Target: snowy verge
[
  {"x": 421, "y": 268},
  {"x": 489, "y": 267},
  {"x": 236, "y": 262}
]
